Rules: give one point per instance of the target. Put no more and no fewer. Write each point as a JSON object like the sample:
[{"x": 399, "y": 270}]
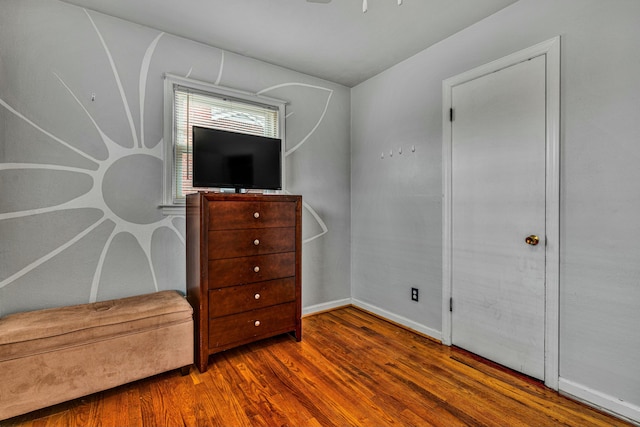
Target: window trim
[{"x": 170, "y": 205}]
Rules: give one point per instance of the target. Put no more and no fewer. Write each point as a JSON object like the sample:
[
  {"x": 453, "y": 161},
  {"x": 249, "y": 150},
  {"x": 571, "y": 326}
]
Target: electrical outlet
[{"x": 414, "y": 294}]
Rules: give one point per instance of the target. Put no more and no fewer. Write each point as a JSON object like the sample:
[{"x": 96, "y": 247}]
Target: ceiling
[{"x": 335, "y": 41}]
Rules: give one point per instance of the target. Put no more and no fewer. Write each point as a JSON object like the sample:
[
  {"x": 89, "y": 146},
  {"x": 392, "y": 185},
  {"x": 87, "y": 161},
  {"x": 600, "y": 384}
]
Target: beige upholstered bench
[{"x": 53, "y": 355}]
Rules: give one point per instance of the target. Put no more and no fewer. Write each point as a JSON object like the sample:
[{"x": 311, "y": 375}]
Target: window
[{"x": 191, "y": 103}]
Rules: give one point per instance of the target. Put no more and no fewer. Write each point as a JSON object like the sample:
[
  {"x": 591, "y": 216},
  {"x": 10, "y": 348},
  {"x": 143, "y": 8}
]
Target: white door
[{"x": 498, "y": 216}]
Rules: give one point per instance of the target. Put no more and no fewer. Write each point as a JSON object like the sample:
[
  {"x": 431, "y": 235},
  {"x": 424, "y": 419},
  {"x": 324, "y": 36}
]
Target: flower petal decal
[
  {"x": 316, "y": 100},
  {"x": 33, "y": 237},
  {"x": 50, "y": 282},
  {"x": 126, "y": 268},
  {"x": 167, "y": 255},
  {"x": 25, "y": 187}
]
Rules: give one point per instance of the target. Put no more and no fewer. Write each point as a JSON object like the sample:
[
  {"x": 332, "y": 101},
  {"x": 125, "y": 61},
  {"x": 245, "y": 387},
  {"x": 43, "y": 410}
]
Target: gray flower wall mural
[{"x": 81, "y": 159}]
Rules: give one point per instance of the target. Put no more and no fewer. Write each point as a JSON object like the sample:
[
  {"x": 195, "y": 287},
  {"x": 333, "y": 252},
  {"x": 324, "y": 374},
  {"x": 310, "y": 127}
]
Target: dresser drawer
[
  {"x": 238, "y": 271},
  {"x": 256, "y": 241},
  {"x": 236, "y": 299},
  {"x": 238, "y": 215},
  {"x": 251, "y": 324}
]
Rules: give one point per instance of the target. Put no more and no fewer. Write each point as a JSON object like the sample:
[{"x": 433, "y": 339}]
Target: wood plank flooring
[{"x": 351, "y": 369}]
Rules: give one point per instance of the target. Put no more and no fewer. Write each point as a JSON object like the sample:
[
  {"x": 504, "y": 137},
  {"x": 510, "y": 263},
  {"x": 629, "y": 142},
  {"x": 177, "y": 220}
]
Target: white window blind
[{"x": 193, "y": 107}]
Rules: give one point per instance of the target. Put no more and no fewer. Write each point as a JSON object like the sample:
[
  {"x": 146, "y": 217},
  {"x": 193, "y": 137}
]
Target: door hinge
[
  {"x": 450, "y": 114},
  {"x": 450, "y": 304}
]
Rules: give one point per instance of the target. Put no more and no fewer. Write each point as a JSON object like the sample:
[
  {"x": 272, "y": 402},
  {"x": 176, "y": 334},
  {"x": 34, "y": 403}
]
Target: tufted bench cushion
[{"x": 52, "y": 355}]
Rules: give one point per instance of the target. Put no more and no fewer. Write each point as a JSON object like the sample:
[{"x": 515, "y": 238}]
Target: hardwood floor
[{"x": 351, "y": 369}]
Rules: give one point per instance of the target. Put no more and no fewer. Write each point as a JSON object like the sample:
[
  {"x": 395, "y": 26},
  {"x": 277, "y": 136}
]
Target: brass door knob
[{"x": 532, "y": 240}]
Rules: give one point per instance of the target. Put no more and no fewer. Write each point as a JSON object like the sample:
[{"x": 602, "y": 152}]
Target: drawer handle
[
  {"x": 256, "y": 323},
  {"x": 257, "y": 296},
  {"x": 256, "y": 269},
  {"x": 256, "y": 215},
  {"x": 256, "y": 242}
]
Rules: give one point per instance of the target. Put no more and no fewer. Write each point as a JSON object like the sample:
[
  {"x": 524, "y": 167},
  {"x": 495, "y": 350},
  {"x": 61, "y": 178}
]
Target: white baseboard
[
  {"x": 600, "y": 400},
  {"x": 398, "y": 319},
  {"x": 410, "y": 324},
  {"x": 325, "y": 306}
]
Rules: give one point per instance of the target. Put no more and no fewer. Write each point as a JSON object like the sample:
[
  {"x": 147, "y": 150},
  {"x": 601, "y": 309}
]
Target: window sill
[{"x": 172, "y": 209}]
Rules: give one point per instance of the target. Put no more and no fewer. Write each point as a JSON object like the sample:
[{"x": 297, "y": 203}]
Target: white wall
[{"x": 396, "y": 201}]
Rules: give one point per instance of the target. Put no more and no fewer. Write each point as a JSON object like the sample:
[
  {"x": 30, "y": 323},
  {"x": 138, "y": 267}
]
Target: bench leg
[{"x": 185, "y": 370}]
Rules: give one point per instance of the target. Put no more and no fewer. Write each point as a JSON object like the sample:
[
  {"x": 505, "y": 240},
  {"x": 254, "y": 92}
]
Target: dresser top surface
[{"x": 245, "y": 197}]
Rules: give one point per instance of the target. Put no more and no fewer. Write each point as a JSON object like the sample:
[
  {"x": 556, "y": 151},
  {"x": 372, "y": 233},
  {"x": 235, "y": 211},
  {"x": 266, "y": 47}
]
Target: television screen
[{"x": 224, "y": 159}]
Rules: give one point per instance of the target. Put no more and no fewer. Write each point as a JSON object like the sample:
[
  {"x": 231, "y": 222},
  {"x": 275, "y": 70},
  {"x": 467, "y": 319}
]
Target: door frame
[{"x": 551, "y": 50}]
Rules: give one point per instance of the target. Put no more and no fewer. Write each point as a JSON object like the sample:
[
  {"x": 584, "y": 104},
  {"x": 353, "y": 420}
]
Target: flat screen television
[{"x": 224, "y": 159}]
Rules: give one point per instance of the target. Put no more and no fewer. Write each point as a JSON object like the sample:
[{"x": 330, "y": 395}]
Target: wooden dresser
[{"x": 243, "y": 269}]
